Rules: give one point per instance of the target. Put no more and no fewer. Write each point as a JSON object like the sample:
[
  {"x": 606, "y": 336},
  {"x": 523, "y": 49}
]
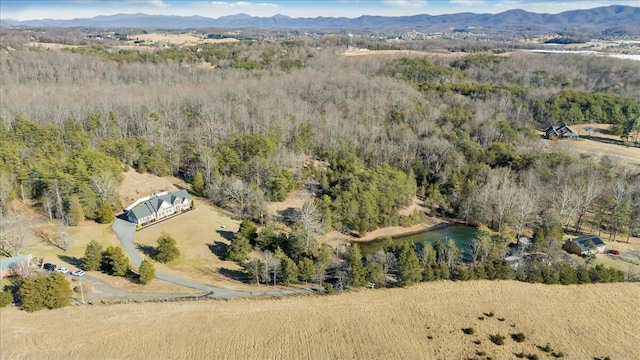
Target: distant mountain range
[{"x": 597, "y": 19}]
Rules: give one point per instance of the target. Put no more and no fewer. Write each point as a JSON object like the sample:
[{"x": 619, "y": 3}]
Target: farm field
[
  {"x": 617, "y": 153},
  {"x": 178, "y": 39},
  {"x": 423, "y": 321}
]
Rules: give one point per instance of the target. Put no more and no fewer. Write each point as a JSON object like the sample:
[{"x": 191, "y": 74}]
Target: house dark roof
[
  {"x": 563, "y": 131},
  {"x": 151, "y": 206},
  {"x": 582, "y": 242}
]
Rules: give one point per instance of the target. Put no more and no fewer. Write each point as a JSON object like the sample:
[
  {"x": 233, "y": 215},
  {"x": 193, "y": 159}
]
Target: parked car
[
  {"x": 77, "y": 272},
  {"x": 49, "y": 266},
  {"x": 62, "y": 269},
  {"x": 613, "y": 252}
]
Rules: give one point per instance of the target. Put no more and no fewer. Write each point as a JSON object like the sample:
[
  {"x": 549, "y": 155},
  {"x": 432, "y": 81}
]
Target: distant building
[
  {"x": 158, "y": 206},
  {"x": 15, "y": 265},
  {"x": 585, "y": 245},
  {"x": 560, "y": 132}
]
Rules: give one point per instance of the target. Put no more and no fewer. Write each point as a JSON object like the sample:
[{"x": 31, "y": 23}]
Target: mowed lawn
[
  {"x": 202, "y": 241},
  {"x": 420, "y": 322}
]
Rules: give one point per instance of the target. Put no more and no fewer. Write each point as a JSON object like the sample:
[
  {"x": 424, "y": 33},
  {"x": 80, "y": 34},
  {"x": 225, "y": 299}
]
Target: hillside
[
  {"x": 424, "y": 321},
  {"x": 597, "y": 19}
]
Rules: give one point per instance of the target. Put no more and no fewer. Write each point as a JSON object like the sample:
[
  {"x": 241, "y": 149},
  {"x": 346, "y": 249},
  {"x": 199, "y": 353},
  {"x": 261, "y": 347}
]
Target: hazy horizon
[{"x": 70, "y": 9}]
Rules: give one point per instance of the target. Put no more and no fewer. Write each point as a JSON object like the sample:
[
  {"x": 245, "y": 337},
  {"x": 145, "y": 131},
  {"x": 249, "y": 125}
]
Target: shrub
[
  {"x": 500, "y": 319},
  {"x": 497, "y": 339},
  {"x": 105, "y": 213},
  {"x": 481, "y": 353},
  {"x": 558, "y": 354},
  {"x": 480, "y": 317},
  {"x": 520, "y": 355},
  {"x": 546, "y": 348},
  {"x": 489, "y": 314},
  {"x": 519, "y": 337},
  {"x": 468, "y": 331},
  {"x": 532, "y": 357},
  {"x": 6, "y": 298},
  {"x": 167, "y": 249},
  {"x": 147, "y": 272}
]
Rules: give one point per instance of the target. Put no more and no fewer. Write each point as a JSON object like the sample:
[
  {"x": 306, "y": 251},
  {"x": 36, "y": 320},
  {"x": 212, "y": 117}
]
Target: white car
[
  {"x": 77, "y": 273},
  {"x": 63, "y": 270}
]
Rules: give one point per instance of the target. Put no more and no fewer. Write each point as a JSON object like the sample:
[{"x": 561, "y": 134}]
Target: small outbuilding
[
  {"x": 585, "y": 245},
  {"x": 560, "y": 132}
]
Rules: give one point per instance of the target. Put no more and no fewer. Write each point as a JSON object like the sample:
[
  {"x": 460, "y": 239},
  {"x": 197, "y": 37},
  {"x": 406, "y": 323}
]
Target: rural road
[{"x": 125, "y": 230}]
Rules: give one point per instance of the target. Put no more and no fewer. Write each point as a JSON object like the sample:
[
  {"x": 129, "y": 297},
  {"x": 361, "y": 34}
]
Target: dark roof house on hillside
[
  {"x": 585, "y": 245},
  {"x": 158, "y": 206},
  {"x": 560, "y": 132}
]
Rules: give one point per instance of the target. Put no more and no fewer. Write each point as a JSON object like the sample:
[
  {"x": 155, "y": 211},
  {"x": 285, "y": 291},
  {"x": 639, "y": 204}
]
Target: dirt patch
[{"x": 423, "y": 321}]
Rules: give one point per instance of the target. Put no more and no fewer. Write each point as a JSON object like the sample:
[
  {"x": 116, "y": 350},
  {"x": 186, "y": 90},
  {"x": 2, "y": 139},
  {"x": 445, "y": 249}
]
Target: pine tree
[
  {"x": 76, "y": 214},
  {"x": 6, "y": 298},
  {"x": 306, "y": 269},
  {"x": 375, "y": 273},
  {"x": 408, "y": 266},
  {"x": 92, "y": 256},
  {"x": 358, "y": 272},
  {"x": 167, "y": 249},
  {"x": 289, "y": 270},
  {"x": 41, "y": 291},
  {"x": 238, "y": 249},
  {"x": 147, "y": 271},
  {"x": 105, "y": 213},
  {"x": 114, "y": 261},
  {"x": 198, "y": 183}
]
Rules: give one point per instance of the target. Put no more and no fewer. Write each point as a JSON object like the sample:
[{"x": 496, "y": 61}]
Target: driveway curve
[{"x": 125, "y": 230}]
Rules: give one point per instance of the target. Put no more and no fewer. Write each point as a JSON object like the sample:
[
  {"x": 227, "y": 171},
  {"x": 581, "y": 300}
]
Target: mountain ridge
[{"x": 596, "y": 19}]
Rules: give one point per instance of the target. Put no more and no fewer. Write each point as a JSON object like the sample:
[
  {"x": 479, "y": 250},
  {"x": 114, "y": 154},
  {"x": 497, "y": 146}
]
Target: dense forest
[{"x": 252, "y": 121}]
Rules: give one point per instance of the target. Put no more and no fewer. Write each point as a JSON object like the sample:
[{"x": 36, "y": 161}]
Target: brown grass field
[{"x": 421, "y": 322}]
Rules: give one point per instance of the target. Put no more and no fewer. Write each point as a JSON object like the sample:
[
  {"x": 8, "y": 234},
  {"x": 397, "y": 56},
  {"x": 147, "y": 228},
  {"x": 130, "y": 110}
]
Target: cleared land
[
  {"x": 178, "y": 39},
  {"x": 424, "y": 321}
]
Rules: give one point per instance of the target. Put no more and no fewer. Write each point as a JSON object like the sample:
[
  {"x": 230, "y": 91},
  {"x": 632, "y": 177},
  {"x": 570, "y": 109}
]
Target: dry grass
[
  {"x": 202, "y": 242},
  {"x": 179, "y": 39},
  {"x": 424, "y": 321},
  {"x": 617, "y": 153}
]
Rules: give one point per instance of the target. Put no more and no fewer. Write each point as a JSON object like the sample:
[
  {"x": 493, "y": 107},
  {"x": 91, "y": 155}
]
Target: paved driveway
[{"x": 125, "y": 230}]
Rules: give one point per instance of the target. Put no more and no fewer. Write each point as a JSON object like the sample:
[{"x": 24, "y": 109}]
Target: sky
[{"x": 69, "y": 9}]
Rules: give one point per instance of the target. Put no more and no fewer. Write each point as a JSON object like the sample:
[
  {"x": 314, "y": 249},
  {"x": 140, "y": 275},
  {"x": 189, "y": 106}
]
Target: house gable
[{"x": 158, "y": 206}]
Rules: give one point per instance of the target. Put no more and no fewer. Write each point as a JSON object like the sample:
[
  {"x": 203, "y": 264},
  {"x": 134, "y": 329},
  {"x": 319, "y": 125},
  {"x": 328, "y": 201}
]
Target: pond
[{"x": 461, "y": 234}]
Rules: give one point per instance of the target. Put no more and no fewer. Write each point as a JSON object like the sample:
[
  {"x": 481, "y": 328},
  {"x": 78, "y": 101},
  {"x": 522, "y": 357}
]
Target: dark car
[
  {"x": 49, "y": 266},
  {"x": 613, "y": 252}
]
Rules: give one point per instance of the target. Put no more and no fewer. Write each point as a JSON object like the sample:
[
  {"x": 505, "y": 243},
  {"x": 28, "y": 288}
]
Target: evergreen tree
[
  {"x": 198, "y": 183},
  {"x": 582, "y": 273},
  {"x": 92, "y": 256},
  {"x": 443, "y": 271},
  {"x": 375, "y": 273},
  {"x": 105, "y": 213},
  {"x": 41, "y": 291},
  {"x": 358, "y": 272},
  {"x": 306, "y": 269},
  {"x": 289, "y": 270},
  {"x": 76, "y": 214},
  {"x": 6, "y": 298},
  {"x": 147, "y": 272},
  {"x": 167, "y": 249},
  {"x": 114, "y": 261},
  {"x": 238, "y": 249},
  {"x": 408, "y": 266}
]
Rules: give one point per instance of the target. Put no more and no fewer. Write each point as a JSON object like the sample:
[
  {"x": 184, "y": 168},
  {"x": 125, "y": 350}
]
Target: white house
[{"x": 158, "y": 206}]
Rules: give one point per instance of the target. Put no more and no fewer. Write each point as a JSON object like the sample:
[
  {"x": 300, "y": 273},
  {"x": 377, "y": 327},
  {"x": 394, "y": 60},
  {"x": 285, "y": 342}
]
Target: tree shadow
[
  {"x": 219, "y": 249},
  {"x": 289, "y": 215},
  {"x": 148, "y": 250},
  {"x": 236, "y": 275},
  {"x": 225, "y": 234},
  {"x": 77, "y": 262}
]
